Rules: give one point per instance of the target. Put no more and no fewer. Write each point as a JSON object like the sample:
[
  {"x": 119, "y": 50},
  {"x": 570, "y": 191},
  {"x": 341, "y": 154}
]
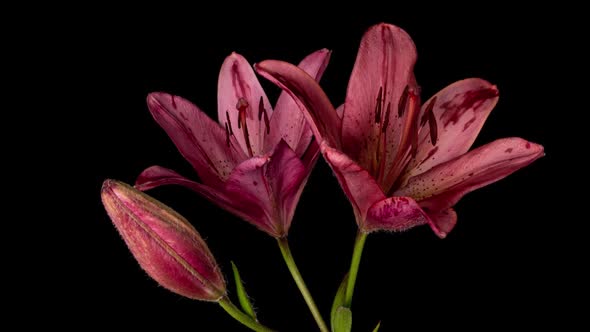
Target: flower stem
[
  {"x": 359, "y": 244},
  {"x": 241, "y": 317},
  {"x": 288, "y": 257}
]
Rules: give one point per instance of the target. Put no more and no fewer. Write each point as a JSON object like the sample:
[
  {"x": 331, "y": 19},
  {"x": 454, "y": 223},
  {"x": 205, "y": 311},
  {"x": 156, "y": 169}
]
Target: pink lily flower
[
  {"x": 402, "y": 162},
  {"x": 165, "y": 244},
  {"x": 255, "y": 161}
]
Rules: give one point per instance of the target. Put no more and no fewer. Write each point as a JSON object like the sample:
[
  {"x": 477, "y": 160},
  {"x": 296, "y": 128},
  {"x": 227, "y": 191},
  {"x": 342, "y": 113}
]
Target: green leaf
[
  {"x": 377, "y": 327},
  {"x": 338, "y": 300},
  {"x": 343, "y": 320},
  {"x": 242, "y": 296}
]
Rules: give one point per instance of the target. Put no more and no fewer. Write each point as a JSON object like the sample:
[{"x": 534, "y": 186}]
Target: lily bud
[{"x": 164, "y": 243}]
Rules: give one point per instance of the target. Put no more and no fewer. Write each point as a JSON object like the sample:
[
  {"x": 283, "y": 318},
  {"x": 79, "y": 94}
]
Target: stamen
[
  {"x": 242, "y": 106},
  {"x": 414, "y": 134},
  {"x": 378, "y": 105},
  {"x": 226, "y": 135},
  {"x": 432, "y": 124},
  {"x": 414, "y": 123},
  {"x": 262, "y": 111},
  {"x": 401, "y": 106},
  {"x": 386, "y": 120},
  {"x": 228, "y": 123},
  {"x": 427, "y": 112}
]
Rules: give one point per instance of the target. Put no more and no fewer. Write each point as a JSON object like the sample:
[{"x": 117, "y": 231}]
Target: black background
[{"x": 494, "y": 270}]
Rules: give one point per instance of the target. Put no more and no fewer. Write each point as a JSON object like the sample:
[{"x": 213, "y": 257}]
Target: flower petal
[
  {"x": 394, "y": 214},
  {"x": 460, "y": 111},
  {"x": 358, "y": 185},
  {"x": 385, "y": 61},
  {"x": 250, "y": 185},
  {"x": 311, "y": 155},
  {"x": 288, "y": 122},
  {"x": 308, "y": 95},
  {"x": 237, "y": 80},
  {"x": 442, "y": 186},
  {"x": 246, "y": 209},
  {"x": 340, "y": 111},
  {"x": 442, "y": 222},
  {"x": 286, "y": 176},
  {"x": 273, "y": 182},
  {"x": 198, "y": 138},
  {"x": 155, "y": 176}
]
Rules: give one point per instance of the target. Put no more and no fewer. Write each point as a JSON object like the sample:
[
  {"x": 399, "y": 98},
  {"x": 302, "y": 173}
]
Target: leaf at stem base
[
  {"x": 242, "y": 295},
  {"x": 338, "y": 300}
]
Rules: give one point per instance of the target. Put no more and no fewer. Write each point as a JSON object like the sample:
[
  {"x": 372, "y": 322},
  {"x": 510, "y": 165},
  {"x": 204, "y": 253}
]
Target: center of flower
[
  {"x": 242, "y": 106},
  {"x": 410, "y": 124}
]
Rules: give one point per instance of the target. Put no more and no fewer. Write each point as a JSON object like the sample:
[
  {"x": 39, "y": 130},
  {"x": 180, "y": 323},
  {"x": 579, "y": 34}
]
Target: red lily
[
  {"x": 400, "y": 162},
  {"x": 254, "y": 162}
]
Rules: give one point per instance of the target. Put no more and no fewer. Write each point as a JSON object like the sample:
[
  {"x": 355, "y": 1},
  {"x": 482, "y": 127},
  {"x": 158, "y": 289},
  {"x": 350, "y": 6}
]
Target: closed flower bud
[{"x": 166, "y": 246}]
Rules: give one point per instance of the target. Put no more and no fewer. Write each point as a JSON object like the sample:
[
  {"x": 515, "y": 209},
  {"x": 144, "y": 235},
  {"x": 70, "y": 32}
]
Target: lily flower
[
  {"x": 402, "y": 162},
  {"x": 255, "y": 161}
]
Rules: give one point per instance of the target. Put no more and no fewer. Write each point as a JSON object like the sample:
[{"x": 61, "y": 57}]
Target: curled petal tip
[{"x": 235, "y": 55}]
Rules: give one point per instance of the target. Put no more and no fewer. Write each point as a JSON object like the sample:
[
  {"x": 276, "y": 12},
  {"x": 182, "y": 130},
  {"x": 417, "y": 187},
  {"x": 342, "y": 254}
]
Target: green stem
[
  {"x": 359, "y": 244},
  {"x": 241, "y": 317},
  {"x": 288, "y": 257}
]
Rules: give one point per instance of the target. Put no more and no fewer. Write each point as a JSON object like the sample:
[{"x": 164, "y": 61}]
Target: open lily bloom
[
  {"x": 402, "y": 162},
  {"x": 255, "y": 161}
]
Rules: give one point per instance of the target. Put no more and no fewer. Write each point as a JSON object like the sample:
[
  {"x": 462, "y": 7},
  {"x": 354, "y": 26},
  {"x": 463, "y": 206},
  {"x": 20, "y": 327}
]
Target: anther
[
  {"x": 414, "y": 142},
  {"x": 432, "y": 122},
  {"x": 378, "y": 105},
  {"x": 228, "y": 123},
  {"x": 401, "y": 106},
  {"x": 262, "y": 111},
  {"x": 386, "y": 120},
  {"x": 226, "y": 135},
  {"x": 427, "y": 111}
]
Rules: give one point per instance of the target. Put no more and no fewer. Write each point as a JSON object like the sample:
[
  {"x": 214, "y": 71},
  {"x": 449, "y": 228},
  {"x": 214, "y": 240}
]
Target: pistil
[{"x": 242, "y": 107}]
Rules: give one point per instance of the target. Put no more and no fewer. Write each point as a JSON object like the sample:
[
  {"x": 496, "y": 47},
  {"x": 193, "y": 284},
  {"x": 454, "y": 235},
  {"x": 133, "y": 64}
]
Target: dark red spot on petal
[
  {"x": 472, "y": 99},
  {"x": 429, "y": 155},
  {"x": 431, "y": 152},
  {"x": 528, "y": 145},
  {"x": 468, "y": 123},
  {"x": 509, "y": 150}
]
